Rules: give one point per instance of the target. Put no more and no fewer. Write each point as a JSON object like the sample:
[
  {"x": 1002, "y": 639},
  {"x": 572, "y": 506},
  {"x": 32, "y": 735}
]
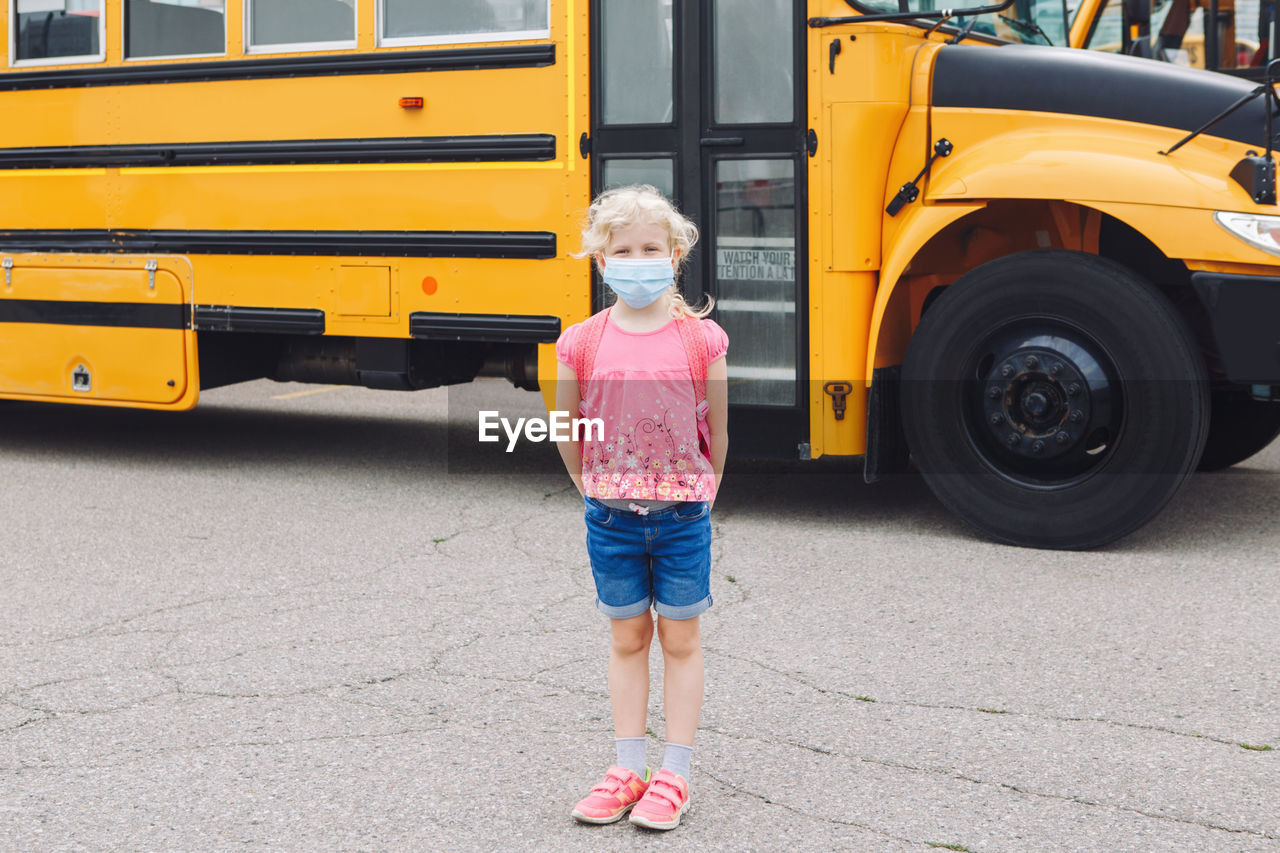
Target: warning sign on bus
[{"x": 755, "y": 264}]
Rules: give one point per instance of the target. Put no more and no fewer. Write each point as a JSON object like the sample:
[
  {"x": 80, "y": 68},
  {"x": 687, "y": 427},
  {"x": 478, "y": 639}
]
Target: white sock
[
  {"x": 631, "y": 754},
  {"x": 676, "y": 759}
]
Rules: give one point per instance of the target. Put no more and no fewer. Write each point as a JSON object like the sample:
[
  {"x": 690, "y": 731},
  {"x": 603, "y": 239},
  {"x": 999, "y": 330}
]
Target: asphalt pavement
[{"x": 303, "y": 618}]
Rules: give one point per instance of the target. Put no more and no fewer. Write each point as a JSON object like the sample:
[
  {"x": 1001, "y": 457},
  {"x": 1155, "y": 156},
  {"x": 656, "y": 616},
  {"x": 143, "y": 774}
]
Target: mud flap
[{"x": 887, "y": 451}]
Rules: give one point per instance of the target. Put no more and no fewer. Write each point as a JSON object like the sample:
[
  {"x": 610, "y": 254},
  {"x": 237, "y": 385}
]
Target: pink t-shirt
[{"x": 642, "y": 388}]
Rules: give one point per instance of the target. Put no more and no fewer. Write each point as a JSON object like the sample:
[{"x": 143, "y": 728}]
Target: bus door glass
[
  {"x": 704, "y": 100},
  {"x": 750, "y": 155}
]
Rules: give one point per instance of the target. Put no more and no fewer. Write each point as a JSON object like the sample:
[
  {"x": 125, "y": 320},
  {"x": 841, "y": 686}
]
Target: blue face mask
[{"x": 638, "y": 281}]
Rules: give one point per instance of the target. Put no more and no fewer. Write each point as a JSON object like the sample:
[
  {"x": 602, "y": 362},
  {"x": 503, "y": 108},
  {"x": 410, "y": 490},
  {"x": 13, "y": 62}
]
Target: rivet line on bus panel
[{"x": 569, "y": 65}]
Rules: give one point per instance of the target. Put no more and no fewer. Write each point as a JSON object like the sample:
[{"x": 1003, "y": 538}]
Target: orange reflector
[
  {"x": 412, "y": 103},
  {"x": 1133, "y": 32}
]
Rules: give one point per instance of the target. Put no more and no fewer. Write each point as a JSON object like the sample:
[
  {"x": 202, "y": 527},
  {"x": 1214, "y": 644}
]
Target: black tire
[
  {"x": 1053, "y": 399},
  {"x": 1239, "y": 427}
]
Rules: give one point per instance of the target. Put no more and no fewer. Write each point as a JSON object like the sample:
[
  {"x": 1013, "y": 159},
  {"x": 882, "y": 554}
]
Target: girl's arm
[
  {"x": 718, "y": 415},
  {"x": 568, "y": 398}
]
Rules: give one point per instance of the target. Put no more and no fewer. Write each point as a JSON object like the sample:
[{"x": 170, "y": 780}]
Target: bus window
[
  {"x": 442, "y": 21},
  {"x": 755, "y": 264},
  {"x": 1026, "y": 21},
  {"x": 753, "y": 82},
  {"x": 636, "y": 51},
  {"x": 656, "y": 171},
  {"x": 1177, "y": 31},
  {"x": 58, "y": 29},
  {"x": 174, "y": 28},
  {"x": 1106, "y": 35},
  {"x": 275, "y": 24}
]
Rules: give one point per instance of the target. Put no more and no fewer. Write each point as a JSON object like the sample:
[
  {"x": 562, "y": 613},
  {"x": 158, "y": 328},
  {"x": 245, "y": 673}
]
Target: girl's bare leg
[
  {"x": 629, "y": 673},
  {"x": 683, "y": 677}
]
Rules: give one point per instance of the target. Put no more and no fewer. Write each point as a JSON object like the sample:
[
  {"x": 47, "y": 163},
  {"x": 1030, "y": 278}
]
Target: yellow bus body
[
  {"x": 223, "y": 200},
  {"x": 536, "y": 189}
]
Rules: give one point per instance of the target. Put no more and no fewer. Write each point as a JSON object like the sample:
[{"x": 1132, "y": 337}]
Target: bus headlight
[{"x": 1262, "y": 232}]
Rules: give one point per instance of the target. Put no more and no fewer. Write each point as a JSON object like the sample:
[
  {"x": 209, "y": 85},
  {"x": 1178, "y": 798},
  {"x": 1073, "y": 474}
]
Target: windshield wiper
[
  {"x": 1256, "y": 175},
  {"x": 964, "y": 31},
  {"x": 1028, "y": 27},
  {"x": 931, "y": 15}
]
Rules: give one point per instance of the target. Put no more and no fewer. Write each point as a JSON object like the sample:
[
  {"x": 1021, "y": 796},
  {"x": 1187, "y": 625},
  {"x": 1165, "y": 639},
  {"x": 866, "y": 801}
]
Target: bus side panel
[
  {"x": 859, "y": 93},
  {"x": 318, "y": 193},
  {"x": 102, "y": 330},
  {"x": 495, "y": 160}
]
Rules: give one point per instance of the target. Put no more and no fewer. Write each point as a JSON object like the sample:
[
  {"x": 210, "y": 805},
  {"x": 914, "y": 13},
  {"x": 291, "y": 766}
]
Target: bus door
[{"x": 705, "y": 100}]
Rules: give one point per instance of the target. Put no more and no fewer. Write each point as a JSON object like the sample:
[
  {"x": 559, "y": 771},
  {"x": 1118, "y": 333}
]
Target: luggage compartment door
[{"x": 108, "y": 330}]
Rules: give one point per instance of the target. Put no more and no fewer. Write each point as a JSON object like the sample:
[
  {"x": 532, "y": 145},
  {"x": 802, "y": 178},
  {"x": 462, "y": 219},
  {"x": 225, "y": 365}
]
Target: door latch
[{"x": 838, "y": 391}]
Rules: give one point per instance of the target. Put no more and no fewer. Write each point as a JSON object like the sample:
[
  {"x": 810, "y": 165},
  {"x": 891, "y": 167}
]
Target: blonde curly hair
[{"x": 624, "y": 207}]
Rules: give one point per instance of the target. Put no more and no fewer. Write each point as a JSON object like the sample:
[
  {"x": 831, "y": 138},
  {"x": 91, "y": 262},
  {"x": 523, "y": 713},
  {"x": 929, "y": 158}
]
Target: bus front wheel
[{"x": 1054, "y": 399}]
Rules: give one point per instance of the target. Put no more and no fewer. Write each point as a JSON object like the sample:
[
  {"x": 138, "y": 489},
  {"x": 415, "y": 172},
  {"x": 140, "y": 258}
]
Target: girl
[{"x": 654, "y": 372}]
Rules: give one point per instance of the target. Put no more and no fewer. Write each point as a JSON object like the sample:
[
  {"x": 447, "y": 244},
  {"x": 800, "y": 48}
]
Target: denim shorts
[{"x": 660, "y": 560}]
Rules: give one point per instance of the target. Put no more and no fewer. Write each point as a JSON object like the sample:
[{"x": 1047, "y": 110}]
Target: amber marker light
[{"x": 412, "y": 103}]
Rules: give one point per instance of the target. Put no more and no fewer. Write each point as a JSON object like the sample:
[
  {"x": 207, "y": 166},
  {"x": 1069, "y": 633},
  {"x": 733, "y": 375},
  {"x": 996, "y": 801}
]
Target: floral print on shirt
[{"x": 649, "y": 461}]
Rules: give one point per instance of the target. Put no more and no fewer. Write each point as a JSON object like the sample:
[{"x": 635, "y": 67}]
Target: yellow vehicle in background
[
  {"x": 926, "y": 231},
  {"x": 1233, "y": 36}
]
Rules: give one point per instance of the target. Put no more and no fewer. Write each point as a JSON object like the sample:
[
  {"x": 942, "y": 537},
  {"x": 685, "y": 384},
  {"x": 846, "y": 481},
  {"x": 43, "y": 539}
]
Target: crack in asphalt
[
  {"x": 97, "y": 631},
  {"x": 24, "y": 723},
  {"x": 151, "y": 753},
  {"x": 583, "y": 692},
  {"x": 903, "y": 703},
  {"x": 556, "y": 492},
  {"x": 817, "y": 817},
  {"x": 1005, "y": 786},
  {"x": 102, "y": 629},
  {"x": 163, "y": 669}
]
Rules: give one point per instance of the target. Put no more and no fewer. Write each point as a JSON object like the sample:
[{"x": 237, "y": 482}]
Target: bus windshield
[{"x": 1026, "y": 21}]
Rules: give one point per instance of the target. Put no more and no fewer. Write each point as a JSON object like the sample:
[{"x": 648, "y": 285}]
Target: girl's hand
[
  {"x": 568, "y": 399},
  {"x": 718, "y": 415}
]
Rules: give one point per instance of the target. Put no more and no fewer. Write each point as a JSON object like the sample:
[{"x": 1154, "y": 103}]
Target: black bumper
[{"x": 1244, "y": 313}]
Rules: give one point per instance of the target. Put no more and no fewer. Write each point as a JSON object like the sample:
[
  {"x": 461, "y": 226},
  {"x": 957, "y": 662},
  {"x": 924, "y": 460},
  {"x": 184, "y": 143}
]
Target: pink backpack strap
[
  {"x": 695, "y": 348},
  {"x": 586, "y": 347}
]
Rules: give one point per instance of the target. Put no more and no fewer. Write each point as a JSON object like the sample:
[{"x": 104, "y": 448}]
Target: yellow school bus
[{"x": 931, "y": 236}]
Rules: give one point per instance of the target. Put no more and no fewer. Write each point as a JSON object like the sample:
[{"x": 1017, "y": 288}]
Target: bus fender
[
  {"x": 1127, "y": 171},
  {"x": 919, "y": 224}
]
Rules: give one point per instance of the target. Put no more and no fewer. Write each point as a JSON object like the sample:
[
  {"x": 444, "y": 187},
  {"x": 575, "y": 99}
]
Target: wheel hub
[{"x": 1037, "y": 403}]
